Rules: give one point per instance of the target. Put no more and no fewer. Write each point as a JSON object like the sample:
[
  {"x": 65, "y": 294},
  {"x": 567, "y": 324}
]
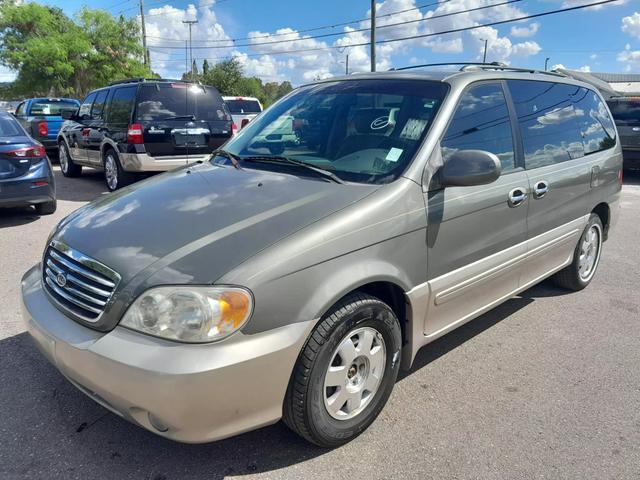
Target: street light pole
[
  {"x": 346, "y": 68},
  {"x": 191, "y": 23},
  {"x": 484, "y": 56},
  {"x": 373, "y": 35},
  {"x": 546, "y": 63}
]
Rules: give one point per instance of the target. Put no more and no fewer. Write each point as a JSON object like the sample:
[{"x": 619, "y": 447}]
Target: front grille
[{"x": 76, "y": 282}]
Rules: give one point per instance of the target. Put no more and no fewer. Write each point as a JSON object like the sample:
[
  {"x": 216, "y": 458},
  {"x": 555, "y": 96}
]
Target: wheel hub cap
[
  {"x": 589, "y": 253},
  {"x": 355, "y": 373},
  {"x": 110, "y": 172}
]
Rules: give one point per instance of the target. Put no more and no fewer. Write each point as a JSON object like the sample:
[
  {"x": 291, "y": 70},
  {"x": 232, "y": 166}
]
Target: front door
[
  {"x": 96, "y": 127},
  {"x": 78, "y": 133},
  {"x": 476, "y": 236}
]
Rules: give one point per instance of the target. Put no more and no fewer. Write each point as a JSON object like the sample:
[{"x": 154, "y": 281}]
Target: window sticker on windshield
[
  {"x": 394, "y": 154},
  {"x": 413, "y": 129}
]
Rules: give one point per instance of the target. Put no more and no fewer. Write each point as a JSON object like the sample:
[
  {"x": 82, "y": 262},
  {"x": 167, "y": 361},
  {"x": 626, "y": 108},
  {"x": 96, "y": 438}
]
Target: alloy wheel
[
  {"x": 589, "y": 252},
  {"x": 111, "y": 172},
  {"x": 63, "y": 158}
]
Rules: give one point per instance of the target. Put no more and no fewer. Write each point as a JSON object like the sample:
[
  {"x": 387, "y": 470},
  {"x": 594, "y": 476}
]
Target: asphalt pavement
[{"x": 545, "y": 386}]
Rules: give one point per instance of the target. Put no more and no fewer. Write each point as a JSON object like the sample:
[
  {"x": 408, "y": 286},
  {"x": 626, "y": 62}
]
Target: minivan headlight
[{"x": 189, "y": 313}]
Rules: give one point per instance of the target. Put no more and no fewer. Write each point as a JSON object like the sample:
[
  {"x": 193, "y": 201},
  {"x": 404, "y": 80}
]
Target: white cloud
[
  {"x": 7, "y": 75},
  {"x": 631, "y": 25},
  {"x": 631, "y": 58},
  {"x": 584, "y": 68},
  {"x": 501, "y": 49},
  {"x": 525, "y": 32},
  {"x": 574, "y": 3}
]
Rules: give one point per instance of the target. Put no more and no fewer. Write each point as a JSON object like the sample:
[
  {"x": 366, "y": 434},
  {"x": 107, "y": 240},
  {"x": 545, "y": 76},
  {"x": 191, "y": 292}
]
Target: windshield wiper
[
  {"x": 290, "y": 161},
  {"x": 179, "y": 117},
  {"x": 235, "y": 159}
]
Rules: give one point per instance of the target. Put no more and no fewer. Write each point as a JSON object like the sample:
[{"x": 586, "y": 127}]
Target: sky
[{"x": 262, "y": 34}]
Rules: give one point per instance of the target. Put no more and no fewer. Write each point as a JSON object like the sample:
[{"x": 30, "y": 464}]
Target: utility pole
[
  {"x": 346, "y": 69},
  {"x": 144, "y": 37},
  {"x": 546, "y": 63},
  {"x": 373, "y": 35},
  {"x": 191, "y": 23},
  {"x": 484, "y": 57}
]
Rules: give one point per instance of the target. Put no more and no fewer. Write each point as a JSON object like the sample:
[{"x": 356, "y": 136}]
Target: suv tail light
[
  {"x": 234, "y": 129},
  {"x": 43, "y": 129},
  {"x": 27, "y": 152},
  {"x": 134, "y": 134}
]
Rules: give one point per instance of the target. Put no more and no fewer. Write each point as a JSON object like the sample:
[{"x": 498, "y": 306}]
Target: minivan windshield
[
  {"x": 625, "y": 112},
  {"x": 179, "y": 101},
  {"x": 363, "y": 131}
]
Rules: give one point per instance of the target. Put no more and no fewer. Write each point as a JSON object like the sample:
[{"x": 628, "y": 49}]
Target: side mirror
[
  {"x": 466, "y": 168},
  {"x": 68, "y": 114}
]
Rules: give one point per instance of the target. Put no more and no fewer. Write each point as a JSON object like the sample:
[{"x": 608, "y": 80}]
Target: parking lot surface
[{"x": 545, "y": 386}]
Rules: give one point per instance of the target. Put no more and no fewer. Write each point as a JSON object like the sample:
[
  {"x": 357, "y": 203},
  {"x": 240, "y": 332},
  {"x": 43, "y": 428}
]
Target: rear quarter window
[{"x": 549, "y": 121}]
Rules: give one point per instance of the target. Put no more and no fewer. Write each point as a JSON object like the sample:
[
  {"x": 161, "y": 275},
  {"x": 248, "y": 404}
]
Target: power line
[
  {"x": 333, "y": 34},
  {"x": 324, "y": 27},
  {"x": 427, "y": 35}
]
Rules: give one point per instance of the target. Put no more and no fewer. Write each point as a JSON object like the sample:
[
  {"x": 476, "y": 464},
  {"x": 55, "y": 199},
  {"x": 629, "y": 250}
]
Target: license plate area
[{"x": 190, "y": 137}]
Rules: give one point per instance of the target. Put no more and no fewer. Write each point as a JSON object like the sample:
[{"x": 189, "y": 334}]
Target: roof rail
[
  {"x": 483, "y": 66},
  {"x": 143, "y": 79},
  {"x": 448, "y": 64},
  {"x": 507, "y": 68}
]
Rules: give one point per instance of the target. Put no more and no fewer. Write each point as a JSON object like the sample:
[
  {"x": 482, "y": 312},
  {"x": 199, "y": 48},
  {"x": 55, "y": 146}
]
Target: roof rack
[
  {"x": 465, "y": 66},
  {"x": 143, "y": 79}
]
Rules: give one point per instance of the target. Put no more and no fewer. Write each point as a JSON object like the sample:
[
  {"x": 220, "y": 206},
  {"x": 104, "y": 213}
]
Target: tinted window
[
  {"x": 121, "y": 105},
  {"x": 9, "y": 127},
  {"x": 594, "y": 122},
  {"x": 362, "y": 130},
  {"x": 52, "y": 107},
  {"x": 626, "y": 112},
  {"x": 98, "y": 105},
  {"x": 85, "y": 108},
  {"x": 243, "y": 106},
  {"x": 165, "y": 100},
  {"x": 481, "y": 122},
  {"x": 548, "y": 121}
]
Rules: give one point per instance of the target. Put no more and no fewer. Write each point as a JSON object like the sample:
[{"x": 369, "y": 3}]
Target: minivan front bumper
[{"x": 188, "y": 393}]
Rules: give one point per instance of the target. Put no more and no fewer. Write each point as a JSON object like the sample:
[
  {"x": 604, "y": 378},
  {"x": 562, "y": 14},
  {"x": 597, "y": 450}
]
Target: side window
[
  {"x": 99, "y": 104},
  {"x": 548, "y": 120},
  {"x": 21, "y": 108},
  {"x": 122, "y": 102},
  {"x": 85, "y": 108},
  {"x": 481, "y": 122},
  {"x": 596, "y": 126}
]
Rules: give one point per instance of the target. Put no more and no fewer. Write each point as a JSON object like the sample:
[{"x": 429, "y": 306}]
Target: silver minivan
[{"x": 293, "y": 279}]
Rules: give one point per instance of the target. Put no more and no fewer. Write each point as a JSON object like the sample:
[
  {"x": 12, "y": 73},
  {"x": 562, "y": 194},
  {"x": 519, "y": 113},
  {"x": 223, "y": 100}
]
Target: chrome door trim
[{"x": 540, "y": 188}]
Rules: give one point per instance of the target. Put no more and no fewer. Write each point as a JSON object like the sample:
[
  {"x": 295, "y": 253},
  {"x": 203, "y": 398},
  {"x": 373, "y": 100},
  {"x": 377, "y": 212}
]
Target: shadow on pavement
[
  {"x": 89, "y": 186},
  {"x": 13, "y": 217},
  {"x": 47, "y": 420}
]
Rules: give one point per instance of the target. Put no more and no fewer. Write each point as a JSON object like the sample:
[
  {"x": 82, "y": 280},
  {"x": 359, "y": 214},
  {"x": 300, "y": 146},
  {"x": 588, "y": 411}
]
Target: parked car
[
  {"x": 243, "y": 109},
  {"x": 140, "y": 125},
  {"x": 223, "y": 296},
  {"x": 8, "y": 106},
  {"x": 626, "y": 114},
  {"x": 41, "y": 117},
  {"x": 26, "y": 177}
]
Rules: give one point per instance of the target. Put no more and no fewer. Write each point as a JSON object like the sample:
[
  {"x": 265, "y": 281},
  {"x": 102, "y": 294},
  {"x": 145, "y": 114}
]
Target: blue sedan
[{"x": 26, "y": 177}]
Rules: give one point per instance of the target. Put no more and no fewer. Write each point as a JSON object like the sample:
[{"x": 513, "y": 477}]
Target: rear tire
[
  {"x": 68, "y": 167},
  {"x": 46, "y": 208},
  {"x": 360, "y": 340},
  {"x": 586, "y": 258},
  {"x": 115, "y": 176}
]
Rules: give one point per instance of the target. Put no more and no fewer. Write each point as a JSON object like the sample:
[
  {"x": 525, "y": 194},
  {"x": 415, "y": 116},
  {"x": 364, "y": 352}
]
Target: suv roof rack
[
  {"x": 143, "y": 79},
  {"x": 465, "y": 66}
]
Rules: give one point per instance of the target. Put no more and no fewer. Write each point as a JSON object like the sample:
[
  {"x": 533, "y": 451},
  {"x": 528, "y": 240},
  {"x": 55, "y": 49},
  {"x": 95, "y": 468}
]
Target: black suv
[{"x": 142, "y": 125}]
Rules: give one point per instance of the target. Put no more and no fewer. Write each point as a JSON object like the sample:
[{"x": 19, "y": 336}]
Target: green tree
[
  {"x": 205, "y": 67},
  {"x": 226, "y": 76},
  {"x": 55, "y": 55}
]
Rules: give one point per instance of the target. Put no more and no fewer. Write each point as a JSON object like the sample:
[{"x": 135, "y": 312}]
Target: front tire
[
  {"x": 345, "y": 373},
  {"x": 585, "y": 258},
  {"x": 68, "y": 167}
]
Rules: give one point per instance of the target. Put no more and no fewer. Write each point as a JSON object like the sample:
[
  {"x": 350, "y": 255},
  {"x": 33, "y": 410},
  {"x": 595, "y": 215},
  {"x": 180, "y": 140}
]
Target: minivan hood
[{"x": 195, "y": 224}]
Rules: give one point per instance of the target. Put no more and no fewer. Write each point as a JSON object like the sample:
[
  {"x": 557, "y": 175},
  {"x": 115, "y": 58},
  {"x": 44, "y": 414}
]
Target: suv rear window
[
  {"x": 166, "y": 101},
  {"x": 625, "y": 112},
  {"x": 243, "y": 106},
  {"x": 51, "y": 107}
]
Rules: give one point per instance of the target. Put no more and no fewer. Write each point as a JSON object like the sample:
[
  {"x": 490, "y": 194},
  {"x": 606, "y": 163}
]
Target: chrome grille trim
[{"x": 77, "y": 283}]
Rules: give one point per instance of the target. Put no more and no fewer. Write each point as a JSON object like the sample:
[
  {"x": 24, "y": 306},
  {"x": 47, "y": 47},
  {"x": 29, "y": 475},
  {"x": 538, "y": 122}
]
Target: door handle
[
  {"x": 517, "y": 196},
  {"x": 540, "y": 189}
]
